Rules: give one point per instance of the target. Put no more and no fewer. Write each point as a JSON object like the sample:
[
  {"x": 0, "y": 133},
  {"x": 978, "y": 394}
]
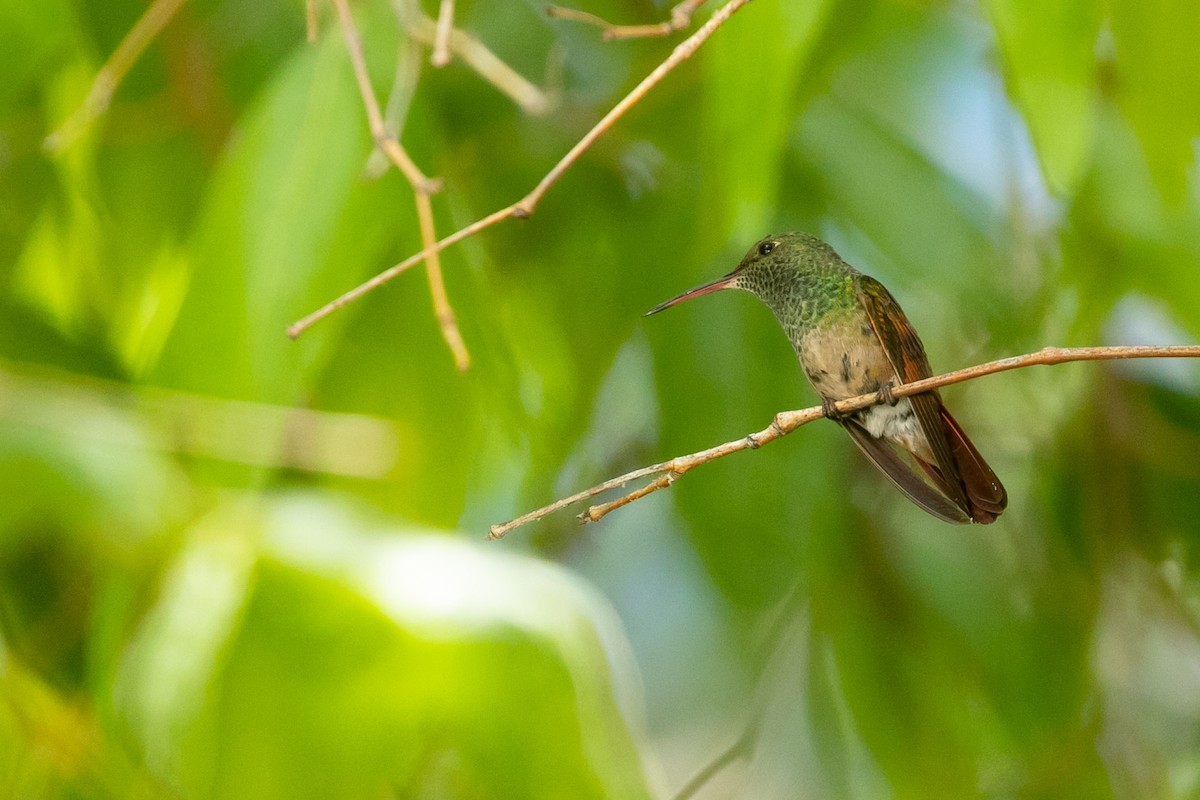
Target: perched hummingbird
[{"x": 852, "y": 338}]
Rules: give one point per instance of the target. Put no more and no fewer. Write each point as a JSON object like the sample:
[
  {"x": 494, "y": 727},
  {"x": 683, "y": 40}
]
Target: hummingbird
[{"x": 852, "y": 338}]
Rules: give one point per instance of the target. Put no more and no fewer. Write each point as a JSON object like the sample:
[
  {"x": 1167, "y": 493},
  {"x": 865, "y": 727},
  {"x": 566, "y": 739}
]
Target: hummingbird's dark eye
[{"x": 765, "y": 248}]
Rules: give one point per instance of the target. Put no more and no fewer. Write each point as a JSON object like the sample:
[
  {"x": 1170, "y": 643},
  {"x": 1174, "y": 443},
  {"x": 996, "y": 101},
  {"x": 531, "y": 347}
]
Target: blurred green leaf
[
  {"x": 1049, "y": 58},
  {"x": 263, "y": 252},
  {"x": 751, "y": 80},
  {"x": 1158, "y": 85}
]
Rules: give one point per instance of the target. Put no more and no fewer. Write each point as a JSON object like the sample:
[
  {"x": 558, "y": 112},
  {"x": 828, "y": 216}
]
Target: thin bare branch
[
  {"x": 787, "y": 421},
  {"x": 525, "y": 207},
  {"x": 682, "y": 52},
  {"x": 441, "y": 38},
  {"x": 681, "y": 17},
  {"x": 148, "y": 26},
  {"x": 442, "y": 309},
  {"x": 300, "y": 326},
  {"x": 661, "y": 482},
  {"x": 576, "y": 15},
  {"x": 422, "y": 187}
]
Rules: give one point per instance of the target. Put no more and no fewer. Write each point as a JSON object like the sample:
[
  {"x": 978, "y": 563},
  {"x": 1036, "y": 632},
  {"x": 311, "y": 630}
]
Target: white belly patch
[{"x": 899, "y": 424}]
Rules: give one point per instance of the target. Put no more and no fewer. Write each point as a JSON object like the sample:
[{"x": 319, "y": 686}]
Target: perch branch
[
  {"x": 787, "y": 421},
  {"x": 156, "y": 17},
  {"x": 422, "y": 187},
  {"x": 525, "y": 207},
  {"x": 681, "y": 17}
]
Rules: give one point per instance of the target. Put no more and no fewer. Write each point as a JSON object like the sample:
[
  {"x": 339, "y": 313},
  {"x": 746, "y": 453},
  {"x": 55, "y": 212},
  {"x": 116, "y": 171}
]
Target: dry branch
[
  {"x": 787, "y": 421},
  {"x": 422, "y": 187},
  {"x": 528, "y": 204},
  {"x": 681, "y": 17},
  {"x": 478, "y": 57}
]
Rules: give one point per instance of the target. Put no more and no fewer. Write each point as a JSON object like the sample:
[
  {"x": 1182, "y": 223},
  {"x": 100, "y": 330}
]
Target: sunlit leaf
[
  {"x": 1049, "y": 58},
  {"x": 325, "y": 660}
]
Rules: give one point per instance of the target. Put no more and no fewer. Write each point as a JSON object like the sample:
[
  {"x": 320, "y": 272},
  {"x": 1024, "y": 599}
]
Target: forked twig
[
  {"x": 681, "y": 17},
  {"x": 528, "y": 204},
  {"x": 422, "y": 187},
  {"x": 379, "y": 132},
  {"x": 787, "y": 421},
  {"x": 478, "y": 57}
]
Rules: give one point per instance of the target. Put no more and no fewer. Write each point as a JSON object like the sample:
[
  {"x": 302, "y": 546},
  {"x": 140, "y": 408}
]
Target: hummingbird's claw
[
  {"x": 885, "y": 394},
  {"x": 830, "y": 410}
]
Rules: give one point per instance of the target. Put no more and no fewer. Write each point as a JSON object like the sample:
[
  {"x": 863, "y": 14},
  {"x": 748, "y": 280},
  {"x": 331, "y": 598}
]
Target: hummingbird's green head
[{"x": 775, "y": 269}]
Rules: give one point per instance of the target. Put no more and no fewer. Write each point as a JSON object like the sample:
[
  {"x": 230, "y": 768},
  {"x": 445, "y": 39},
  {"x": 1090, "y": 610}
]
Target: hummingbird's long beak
[{"x": 708, "y": 288}]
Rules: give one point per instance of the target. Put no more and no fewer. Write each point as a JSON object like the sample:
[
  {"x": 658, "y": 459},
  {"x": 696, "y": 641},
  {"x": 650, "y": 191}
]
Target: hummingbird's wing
[{"x": 906, "y": 354}]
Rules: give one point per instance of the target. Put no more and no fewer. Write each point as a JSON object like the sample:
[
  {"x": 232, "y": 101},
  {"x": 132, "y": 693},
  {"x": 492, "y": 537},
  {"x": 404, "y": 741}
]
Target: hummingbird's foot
[
  {"x": 885, "y": 394},
  {"x": 830, "y": 411}
]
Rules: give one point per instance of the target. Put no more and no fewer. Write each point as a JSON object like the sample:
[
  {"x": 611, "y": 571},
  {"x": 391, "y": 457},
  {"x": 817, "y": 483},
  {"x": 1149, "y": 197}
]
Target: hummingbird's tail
[
  {"x": 932, "y": 495},
  {"x": 978, "y": 497},
  {"x": 985, "y": 493}
]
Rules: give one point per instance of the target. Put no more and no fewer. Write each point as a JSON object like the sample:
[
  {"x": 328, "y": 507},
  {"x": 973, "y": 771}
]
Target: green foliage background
[{"x": 236, "y": 566}]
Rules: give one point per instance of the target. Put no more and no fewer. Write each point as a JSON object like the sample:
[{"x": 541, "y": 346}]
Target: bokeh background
[{"x": 233, "y": 565}]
